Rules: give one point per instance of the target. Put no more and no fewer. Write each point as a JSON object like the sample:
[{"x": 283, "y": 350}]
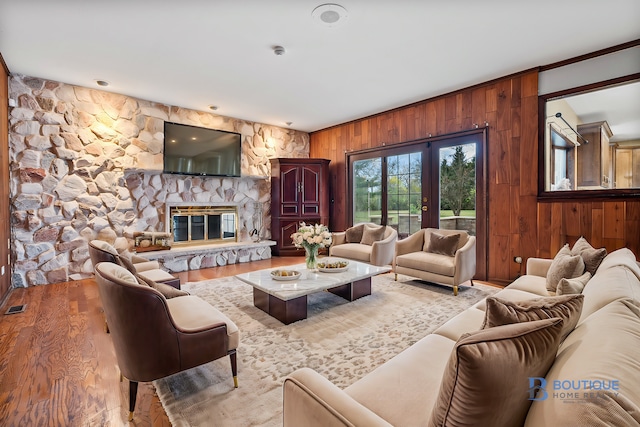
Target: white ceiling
[{"x": 195, "y": 53}]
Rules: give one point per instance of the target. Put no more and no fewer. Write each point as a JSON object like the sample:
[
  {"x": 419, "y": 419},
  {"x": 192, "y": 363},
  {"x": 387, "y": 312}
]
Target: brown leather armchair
[
  {"x": 101, "y": 251},
  {"x": 156, "y": 337}
]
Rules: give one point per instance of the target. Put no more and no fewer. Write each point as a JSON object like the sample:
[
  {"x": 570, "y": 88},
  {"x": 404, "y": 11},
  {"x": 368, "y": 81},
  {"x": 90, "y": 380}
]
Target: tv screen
[{"x": 192, "y": 150}]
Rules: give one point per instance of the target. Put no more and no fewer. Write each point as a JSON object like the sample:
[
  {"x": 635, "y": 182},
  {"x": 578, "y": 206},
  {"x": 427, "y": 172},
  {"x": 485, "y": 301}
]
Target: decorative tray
[
  {"x": 285, "y": 275},
  {"x": 333, "y": 265}
]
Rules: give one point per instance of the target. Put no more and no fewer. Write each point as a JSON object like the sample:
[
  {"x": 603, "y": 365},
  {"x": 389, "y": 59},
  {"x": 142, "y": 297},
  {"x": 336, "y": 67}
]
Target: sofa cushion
[
  {"x": 564, "y": 265},
  {"x": 529, "y": 283},
  {"x": 567, "y": 307},
  {"x": 443, "y": 245},
  {"x": 354, "y": 251},
  {"x": 608, "y": 285},
  {"x": 592, "y": 257},
  {"x": 412, "y": 376},
  {"x": 191, "y": 314},
  {"x": 370, "y": 235},
  {"x": 623, "y": 257},
  {"x": 486, "y": 382},
  {"x": 467, "y": 321},
  {"x": 507, "y": 294},
  {"x": 572, "y": 286},
  {"x": 604, "y": 348},
  {"x": 354, "y": 234},
  {"x": 425, "y": 261},
  {"x": 166, "y": 290}
]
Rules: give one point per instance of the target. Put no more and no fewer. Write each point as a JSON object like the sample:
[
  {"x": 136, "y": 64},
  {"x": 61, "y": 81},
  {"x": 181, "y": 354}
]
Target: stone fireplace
[
  {"x": 196, "y": 225},
  {"x": 87, "y": 164}
]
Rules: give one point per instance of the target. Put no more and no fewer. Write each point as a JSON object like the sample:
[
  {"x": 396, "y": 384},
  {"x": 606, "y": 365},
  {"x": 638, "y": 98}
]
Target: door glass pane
[
  {"x": 404, "y": 192},
  {"x": 367, "y": 190},
  {"x": 458, "y": 188}
]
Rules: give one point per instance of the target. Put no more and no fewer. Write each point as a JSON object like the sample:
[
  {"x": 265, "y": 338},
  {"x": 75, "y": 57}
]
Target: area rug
[{"x": 341, "y": 340}]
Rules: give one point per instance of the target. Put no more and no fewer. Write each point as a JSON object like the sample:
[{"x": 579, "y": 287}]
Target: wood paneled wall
[
  {"x": 517, "y": 224},
  {"x": 5, "y": 230}
]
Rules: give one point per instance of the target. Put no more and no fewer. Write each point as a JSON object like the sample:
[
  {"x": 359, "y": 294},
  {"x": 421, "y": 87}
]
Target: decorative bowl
[
  {"x": 285, "y": 275},
  {"x": 333, "y": 265}
]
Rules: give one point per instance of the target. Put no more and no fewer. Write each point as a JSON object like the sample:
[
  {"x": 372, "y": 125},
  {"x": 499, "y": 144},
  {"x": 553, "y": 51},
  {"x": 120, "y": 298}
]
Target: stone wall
[{"x": 87, "y": 164}]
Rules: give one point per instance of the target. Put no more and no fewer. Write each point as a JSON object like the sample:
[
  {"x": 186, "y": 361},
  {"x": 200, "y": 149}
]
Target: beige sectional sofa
[{"x": 593, "y": 380}]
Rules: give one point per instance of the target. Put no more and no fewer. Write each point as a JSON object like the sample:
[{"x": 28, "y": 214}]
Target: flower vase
[{"x": 311, "y": 257}]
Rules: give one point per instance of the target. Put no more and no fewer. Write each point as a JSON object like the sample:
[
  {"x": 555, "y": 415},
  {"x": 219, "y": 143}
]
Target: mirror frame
[{"x": 564, "y": 195}]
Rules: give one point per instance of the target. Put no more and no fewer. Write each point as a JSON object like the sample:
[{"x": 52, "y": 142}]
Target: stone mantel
[{"x": 194, "y": 257}]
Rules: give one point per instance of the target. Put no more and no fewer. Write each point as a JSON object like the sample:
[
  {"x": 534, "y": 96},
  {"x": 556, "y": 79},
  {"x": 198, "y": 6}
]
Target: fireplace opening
[{"x": 203, "y": 224}]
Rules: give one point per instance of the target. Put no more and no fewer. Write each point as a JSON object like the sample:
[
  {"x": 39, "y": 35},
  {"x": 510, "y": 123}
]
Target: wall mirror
[{"x": 592, "y": 139}]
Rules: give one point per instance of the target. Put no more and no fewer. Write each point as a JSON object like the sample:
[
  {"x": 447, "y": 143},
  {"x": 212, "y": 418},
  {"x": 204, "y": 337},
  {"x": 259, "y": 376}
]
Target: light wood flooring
[{"x": 58, "y": 366}]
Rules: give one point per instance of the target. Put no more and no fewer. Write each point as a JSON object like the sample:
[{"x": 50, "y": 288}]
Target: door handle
[{"x": 425, "y": 208}]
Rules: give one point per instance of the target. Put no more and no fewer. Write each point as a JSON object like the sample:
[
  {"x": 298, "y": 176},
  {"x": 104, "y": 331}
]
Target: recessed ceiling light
[
  {"x": 102, "y": 83},
  {"x": 213, "y": 107},
  {"x": 330, "y": 15}
]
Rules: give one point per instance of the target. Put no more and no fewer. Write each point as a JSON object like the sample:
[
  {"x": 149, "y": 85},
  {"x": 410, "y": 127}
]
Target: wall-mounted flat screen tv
[{"x": 191, "y": 150}]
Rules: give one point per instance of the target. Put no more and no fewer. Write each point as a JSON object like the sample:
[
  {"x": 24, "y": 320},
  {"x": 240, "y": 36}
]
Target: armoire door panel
[
  {"x": 311, "y": 184},
  {"x": 290, "y": 183},
  {"x": 290, "y": 210},
  {"x": 311, "y": 210}
]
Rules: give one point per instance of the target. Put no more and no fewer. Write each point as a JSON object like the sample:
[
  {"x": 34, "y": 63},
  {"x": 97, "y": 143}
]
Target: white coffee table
[{"x": 287, "y": 301}]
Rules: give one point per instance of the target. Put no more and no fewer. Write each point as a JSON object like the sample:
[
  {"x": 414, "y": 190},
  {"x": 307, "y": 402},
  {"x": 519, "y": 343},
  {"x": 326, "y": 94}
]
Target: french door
[{"x": 436, "y": 183}]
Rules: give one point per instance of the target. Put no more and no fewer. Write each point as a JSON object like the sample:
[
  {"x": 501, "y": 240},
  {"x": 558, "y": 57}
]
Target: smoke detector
[{"x": 330, "y": 15}]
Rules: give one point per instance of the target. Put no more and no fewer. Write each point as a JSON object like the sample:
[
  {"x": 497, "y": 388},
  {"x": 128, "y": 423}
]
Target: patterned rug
[{"x": 341, "y": 340}]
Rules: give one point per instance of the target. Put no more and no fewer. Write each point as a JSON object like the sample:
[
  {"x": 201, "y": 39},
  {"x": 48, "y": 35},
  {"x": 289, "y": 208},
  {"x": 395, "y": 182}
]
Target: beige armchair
[
  {"x": 155, "y": 337},
  {"x": 436, "y": 256},
  {"x": 360, "y": 243}
]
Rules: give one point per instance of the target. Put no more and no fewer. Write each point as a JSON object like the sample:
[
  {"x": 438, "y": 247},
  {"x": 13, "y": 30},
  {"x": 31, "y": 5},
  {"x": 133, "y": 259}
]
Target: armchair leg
[
  {"x": 455, "y": 290},
  {"x": 396, "y": 278},
  {"x": 133, "y": 392},
  {"x": 471, "y": 280},
  {"x": 234, "y": 367}
]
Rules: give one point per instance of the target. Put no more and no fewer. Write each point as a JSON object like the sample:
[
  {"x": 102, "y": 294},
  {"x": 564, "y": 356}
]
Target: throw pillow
[
  {"x": 486, "y": 382},
  {"x": 592, "y": 257},
  {"x": 166, "y": 290},
  {"x": 566, "y": 307},
  {"x": 444, "y": 245},
  {"x": 354, "y": 234},
  {"x": 564, "y": 265},
  {"x": 572, "y": 286},
  {"x": 370, "y": 235}
]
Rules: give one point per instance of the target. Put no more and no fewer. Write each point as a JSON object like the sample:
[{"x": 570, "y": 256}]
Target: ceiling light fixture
[
  {"x": 213, "y": 107},
  {"x": 278, "y": 50},
  {"x": 330, "y": 15},
  {"x": 289, "y": 123},
  {"x": 102, "y": 83}
]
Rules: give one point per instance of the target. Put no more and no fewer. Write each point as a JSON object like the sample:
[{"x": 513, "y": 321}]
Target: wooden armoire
[{"x": 299, "y": 193}]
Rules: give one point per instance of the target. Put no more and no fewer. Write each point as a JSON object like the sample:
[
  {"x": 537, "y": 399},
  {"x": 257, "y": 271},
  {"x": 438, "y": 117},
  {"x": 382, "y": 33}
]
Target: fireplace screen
[{"x": 203, "y": 224}]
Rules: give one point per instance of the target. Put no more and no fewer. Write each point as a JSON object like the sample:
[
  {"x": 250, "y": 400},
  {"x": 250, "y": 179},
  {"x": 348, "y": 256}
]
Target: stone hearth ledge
[{"x": 195, "y": 257}]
